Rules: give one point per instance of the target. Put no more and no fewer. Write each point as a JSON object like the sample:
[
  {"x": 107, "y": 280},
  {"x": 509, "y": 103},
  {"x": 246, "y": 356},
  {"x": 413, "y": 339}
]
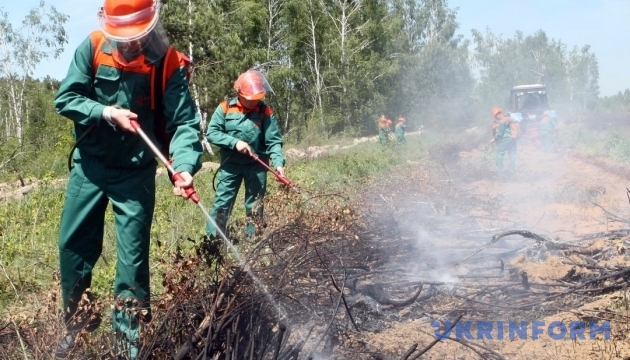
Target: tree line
[{"x": 335, "y": 65}]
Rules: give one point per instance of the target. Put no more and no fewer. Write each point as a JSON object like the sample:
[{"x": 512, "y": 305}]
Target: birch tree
[
  {"x": 582, "y": 77},
  {"x": 194, "y": 87},
  {"x": 276, "y": 26},
  {"x": 345, "y": 15},
  {"x": 40, "y": 36},
  {"x": 313, "y": 47},
  {"x": 571, "y": 77},
  {"x": 438, "y": 21}
]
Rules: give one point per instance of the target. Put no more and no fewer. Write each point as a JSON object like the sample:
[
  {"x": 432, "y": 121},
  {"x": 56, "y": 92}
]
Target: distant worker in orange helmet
[
  {"x": 400, "y": 131},
  {"x": 505, "y": 132},
  {"x": 383, "y": 130},
  {"x": 242, "y": 127},
  {"x": 109, "y": 85}
]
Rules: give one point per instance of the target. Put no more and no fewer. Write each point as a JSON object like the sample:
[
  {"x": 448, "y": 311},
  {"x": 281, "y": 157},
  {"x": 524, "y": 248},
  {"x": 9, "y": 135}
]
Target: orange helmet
[
  {"x": 128, "y": 20},
  {"x": 496, "y": 111},
  {"x": 252, "y": 85},
  {"x": 401, "y": 119}
]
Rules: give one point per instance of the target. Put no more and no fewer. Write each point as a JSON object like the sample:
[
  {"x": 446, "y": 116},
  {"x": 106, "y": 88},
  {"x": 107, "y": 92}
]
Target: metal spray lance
[
  {"x": 192, "y": 195},
  {"x": 189, "y": 191},
  {"x": 282, "y": 179}
]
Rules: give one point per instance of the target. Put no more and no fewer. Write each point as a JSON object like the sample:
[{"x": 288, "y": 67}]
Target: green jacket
[
  {"x": 400, "y": 129},
  {"x": 258, "y": 128},
  {"x": 548, "y": 125},
  {"x": 90, "y": 85},
  {"x": 503, "y": 130}
]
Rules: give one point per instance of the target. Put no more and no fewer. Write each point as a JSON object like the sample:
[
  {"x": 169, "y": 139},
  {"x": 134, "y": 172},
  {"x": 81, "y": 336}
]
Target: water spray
[{"x": 194, "y": 197}]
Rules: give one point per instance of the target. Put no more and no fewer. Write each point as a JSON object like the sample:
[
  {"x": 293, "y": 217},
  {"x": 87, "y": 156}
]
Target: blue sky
[{"x": 603, "y": 24}]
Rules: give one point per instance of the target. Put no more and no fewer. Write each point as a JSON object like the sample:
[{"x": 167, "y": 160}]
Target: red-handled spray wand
[
  {"x": 192, "y": 195},
  {"x": 283, "y": 180},
  {"x": 190, "y": 191},
  {"x": 280, "y": 178}
]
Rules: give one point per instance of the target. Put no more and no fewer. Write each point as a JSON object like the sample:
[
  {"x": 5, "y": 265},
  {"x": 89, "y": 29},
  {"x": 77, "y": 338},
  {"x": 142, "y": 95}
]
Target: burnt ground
[
  {"x": 446, "y": 224},
  {"x": 441, "y": 239}
]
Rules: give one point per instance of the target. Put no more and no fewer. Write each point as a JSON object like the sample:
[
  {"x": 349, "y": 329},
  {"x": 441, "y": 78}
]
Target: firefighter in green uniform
[
  {"x": 400, "y": 131},
  {"x": 548, "y": 126},
  {"x": 505, "y": 133},
  {"x": 109, "y": 84},
  {"x": 242, "y": 127}
]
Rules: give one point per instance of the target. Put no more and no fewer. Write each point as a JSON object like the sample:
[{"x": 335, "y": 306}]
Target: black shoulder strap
[
  {"x": 262, "y": 109},
  {"x": 261, "y": 113},
  {"x": 158, "y": 92}
]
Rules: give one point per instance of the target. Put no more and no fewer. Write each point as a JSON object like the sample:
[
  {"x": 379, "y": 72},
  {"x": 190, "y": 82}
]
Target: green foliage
[
  {"x": 40, "y": 36},
  {"x": 29, "y": 225},
  {"x": 620, "y": 101},
  {"x": 571, "y": 76},
  {"x": 333, "y": 64},
  {"x": 47, "y": 138}
]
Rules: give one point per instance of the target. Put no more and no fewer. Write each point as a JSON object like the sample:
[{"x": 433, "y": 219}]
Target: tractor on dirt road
[{"x": 530, "y": 101}]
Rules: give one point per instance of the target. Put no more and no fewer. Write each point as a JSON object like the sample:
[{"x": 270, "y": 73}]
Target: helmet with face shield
[
  {"x": 252, "y": 85},
  {"x": 132, "y": 28}
]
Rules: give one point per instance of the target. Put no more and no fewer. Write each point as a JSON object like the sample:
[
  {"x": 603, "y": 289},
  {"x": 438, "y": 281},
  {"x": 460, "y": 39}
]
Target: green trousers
[
  {"x": 131, "y": 191},
  {"x": 506, "y": 146},
  {"x": 229, "y": 178},
  {"x": 383, "y": 136},
  {"x": 401, "y": 139},
  {"x": 547, "y": 141}
]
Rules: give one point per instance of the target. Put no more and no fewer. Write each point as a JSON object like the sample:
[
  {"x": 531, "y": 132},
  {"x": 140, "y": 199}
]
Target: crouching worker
[
  {"x": 505, "y": 133},
  {"x": 107, "y": 87},
  {"x": 244, "y": 127}
]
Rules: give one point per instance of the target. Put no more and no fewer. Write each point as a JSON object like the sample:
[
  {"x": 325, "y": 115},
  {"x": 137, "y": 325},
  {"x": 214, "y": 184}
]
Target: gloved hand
[
  {"x": 243, "y": 147},
  {"x": 116, "y": 116},
  {"x": 280, "y": 171},
  {"x": 180, "y": 185}
]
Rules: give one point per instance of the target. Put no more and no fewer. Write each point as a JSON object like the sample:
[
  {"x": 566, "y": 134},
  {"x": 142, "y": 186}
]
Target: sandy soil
[{"x": 566, "y": 197}]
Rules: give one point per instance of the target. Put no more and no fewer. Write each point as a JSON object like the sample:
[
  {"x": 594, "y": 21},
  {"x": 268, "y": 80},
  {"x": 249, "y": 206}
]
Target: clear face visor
[
  {"x": 252, "y": 85},
  {"x": 130, "y": 36}
]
